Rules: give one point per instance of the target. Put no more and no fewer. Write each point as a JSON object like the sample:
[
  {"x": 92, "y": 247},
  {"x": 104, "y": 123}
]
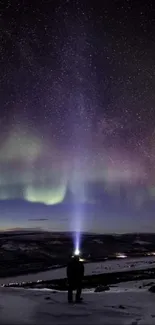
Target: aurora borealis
[{"x": 77, "y": 115}]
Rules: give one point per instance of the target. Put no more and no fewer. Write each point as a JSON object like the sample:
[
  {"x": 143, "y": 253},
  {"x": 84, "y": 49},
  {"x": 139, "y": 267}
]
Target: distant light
[
  {"x": 77, "y": 252},
  {"x": 120, "y": 255},
  {"x": 150, "y": 254}
]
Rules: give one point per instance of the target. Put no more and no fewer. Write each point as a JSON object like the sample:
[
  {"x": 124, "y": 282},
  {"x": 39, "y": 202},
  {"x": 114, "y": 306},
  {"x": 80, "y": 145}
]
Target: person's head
[{"x": 76, "y": 258}]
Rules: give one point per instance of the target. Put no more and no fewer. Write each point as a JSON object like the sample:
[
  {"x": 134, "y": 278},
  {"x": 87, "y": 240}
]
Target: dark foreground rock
[
  {"x": 121, "y": 307},
  {"x": 152, "y": 289}
]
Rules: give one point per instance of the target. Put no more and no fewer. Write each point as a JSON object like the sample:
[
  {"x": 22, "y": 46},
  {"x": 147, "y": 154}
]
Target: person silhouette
[{"x": 75, "y": 274}]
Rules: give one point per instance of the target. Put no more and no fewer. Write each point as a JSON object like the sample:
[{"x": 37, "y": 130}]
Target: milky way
[{"x": 77, "y": 103}]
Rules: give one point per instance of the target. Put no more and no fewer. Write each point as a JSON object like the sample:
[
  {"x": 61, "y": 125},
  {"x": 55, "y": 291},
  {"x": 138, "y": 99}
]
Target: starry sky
[{"x": 77, "y": 115}]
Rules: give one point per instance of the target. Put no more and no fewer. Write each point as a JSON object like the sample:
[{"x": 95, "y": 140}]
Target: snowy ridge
[{"x": 125, "y": 304}]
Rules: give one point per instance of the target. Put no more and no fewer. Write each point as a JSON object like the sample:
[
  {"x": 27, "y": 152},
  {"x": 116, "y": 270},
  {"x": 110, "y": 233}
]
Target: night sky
[{"x": 77, "y": 115}]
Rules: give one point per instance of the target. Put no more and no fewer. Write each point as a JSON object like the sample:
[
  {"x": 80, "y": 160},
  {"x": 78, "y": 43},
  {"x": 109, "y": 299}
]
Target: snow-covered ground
[
  {"x": 118, "y": 265},
  {"x": 125, "y": 304},
  {"x": 124, "y": 264}
]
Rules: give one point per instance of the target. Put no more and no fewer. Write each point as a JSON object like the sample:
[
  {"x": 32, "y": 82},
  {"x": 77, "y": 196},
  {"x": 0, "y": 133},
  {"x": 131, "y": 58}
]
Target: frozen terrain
[
  {"x": 118, "y": 265},
  {"x": 123, "y": 304}
]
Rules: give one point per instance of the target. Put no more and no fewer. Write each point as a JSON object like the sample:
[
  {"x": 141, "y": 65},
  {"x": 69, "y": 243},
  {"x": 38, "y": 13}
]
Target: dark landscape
[{"x": 27, "y": 252}]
